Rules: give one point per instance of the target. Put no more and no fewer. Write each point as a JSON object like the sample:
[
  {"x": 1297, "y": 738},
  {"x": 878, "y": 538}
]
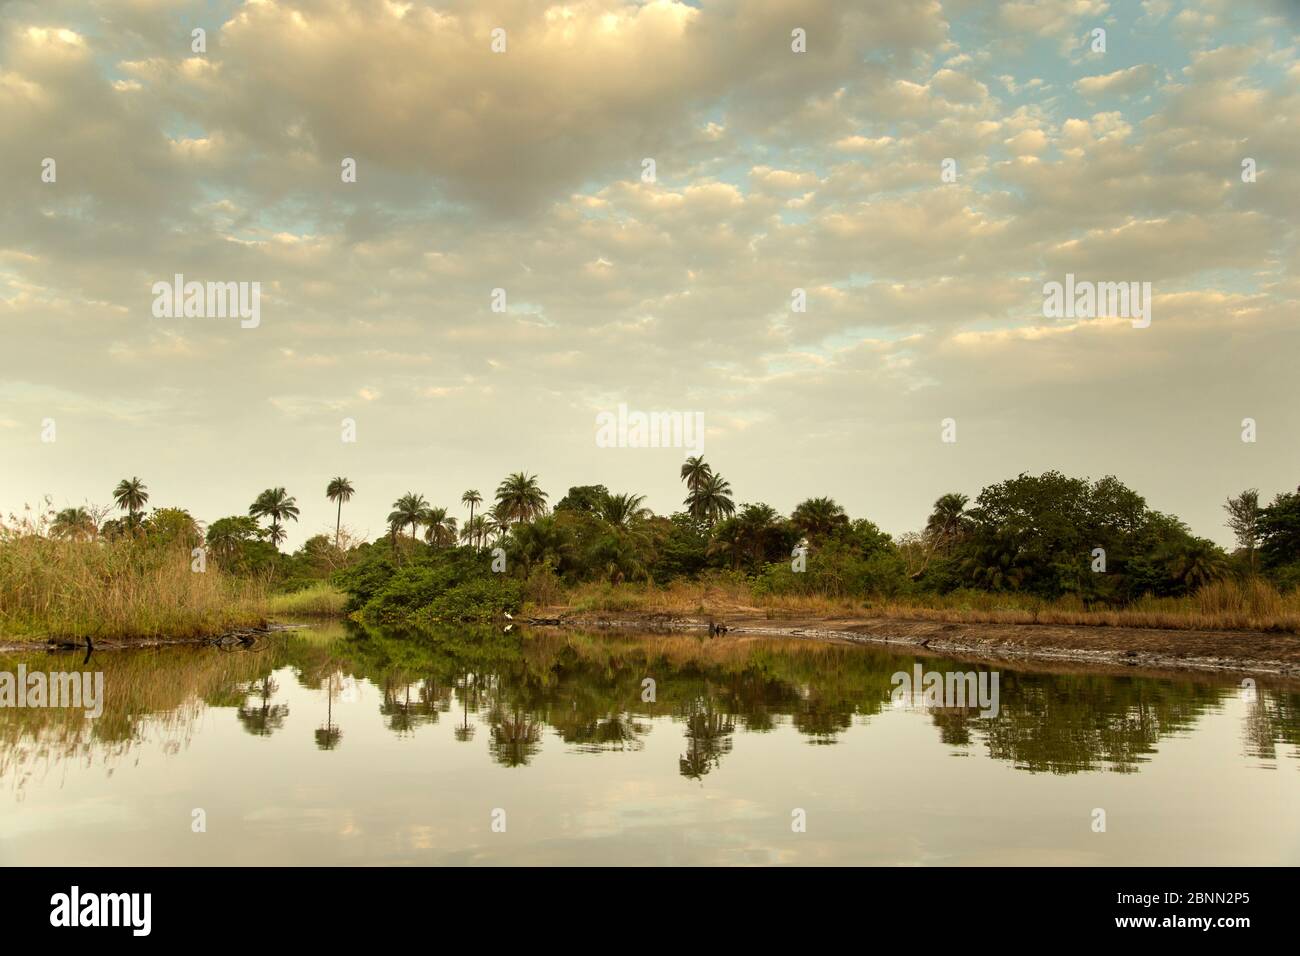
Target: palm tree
[
  {"x": 340, "y": 490},
  {"x": 475, "y": 531},
  {"x": 947, "y": 520},
  {"x": 440, "y": 527},
  {"x": 519, "y": 498},
  {"x": 945, "y": 527},
  {"x": 276, "y": 504},
  {"x": 620, "y": 555},
  {"x": 694, "y": 472},
  {"x": 622, "y": 510},
  {"x": 997, "y": 561},
  {"x": 1195, "y": 563},
  {"x": 131, "y": 496},
  {"x": 540, "y": 541},
  {"x": 712, "y": 500},
  {"x": 497, "y": 522},
  {"x": 471, "y": 498},
  {"x": 74, "y": 523},
  {"x": 818, "y": 518},
  {"x": 408, "y": 509}
]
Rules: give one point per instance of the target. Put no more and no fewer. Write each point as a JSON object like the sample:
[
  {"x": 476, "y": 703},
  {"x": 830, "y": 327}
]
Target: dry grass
[
  {"x": 680, "y": 597},
  {"x": 115, "y": 589},
  {"x": 320, "y": 600},
  {"x": 1225, "y": 605}
]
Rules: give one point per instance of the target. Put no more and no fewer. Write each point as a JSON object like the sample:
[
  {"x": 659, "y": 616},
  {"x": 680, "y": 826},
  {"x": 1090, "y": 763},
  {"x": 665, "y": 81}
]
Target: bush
[
  {"x": 543, "y": 586},
  {"x": 433, "y": 585},
  {"x": 836, "y": 571},
  {"x": 483, "y": 599}
]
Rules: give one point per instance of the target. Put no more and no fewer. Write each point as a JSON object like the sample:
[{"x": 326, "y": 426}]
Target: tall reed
[{"x": 115, "y": 588}]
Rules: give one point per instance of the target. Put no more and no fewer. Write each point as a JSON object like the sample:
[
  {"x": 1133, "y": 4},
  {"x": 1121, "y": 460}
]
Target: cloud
[
  {"x": 522, "y": 171},
  {"x": 1118, "y": 83}
]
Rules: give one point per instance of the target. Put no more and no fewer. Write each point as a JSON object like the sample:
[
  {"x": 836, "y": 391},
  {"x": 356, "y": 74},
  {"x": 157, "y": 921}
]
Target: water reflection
[
  {"x": 328, "y": 736},
  {"x": 258, "y": 715},
  {"x": 586, "y": 690}
]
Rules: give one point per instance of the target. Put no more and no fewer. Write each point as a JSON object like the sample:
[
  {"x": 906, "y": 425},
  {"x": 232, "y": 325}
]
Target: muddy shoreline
[
  {"x": 1072, "y": 647},
  {"x": 237, "y": 637},
  {"x": 1109, "y": 648}
]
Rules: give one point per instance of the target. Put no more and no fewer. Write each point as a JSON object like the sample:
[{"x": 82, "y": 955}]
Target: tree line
[{"x": 1047, "y": 535}]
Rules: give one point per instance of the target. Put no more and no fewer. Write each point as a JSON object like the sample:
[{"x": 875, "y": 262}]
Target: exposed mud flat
[{"x": 1107, "y": 647}]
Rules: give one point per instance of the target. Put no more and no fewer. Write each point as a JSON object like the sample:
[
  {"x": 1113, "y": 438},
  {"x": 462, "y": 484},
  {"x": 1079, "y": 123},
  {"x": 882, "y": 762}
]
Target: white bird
[{"x": 509, "y": 616}]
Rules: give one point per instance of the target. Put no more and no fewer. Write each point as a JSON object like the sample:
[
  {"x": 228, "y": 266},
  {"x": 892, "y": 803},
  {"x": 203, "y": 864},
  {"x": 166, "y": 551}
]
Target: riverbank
[
  {"x": 1152, "y": 637},
  {"x": 233, "y": 637},
  {"x": 1220, "y": 606},
  {"x": 1090, "y": 647},
  {"x": 1260, "y": 652}
]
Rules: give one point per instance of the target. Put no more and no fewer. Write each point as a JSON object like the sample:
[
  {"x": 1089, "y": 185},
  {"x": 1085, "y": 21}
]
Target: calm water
[{"x": 342, "y": 746}]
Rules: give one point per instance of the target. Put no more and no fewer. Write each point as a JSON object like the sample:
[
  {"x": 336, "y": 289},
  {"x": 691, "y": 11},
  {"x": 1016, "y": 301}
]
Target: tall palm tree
[
  {"x": 440, "y": 527},
  {"x": 947, "y": 520},
  {"x": 131, "y": 495},
  {"x": 712, "y": 500},
  {"x": 497, "y": 523},
  {"x": 622, "y": 510},
  {"x": 519, "y": 498},
  {"x": 340, "y": 490},
  {"x": 694, "y": 472},
  {"x": 278, "y": 505},
  {"x": 947, "y": 523},
  {"x": 471, "y": 498},
  {"x": 74, "y": 523},
  {"x": 408, "y": 510},
  {"x": 818, "y": 518}
]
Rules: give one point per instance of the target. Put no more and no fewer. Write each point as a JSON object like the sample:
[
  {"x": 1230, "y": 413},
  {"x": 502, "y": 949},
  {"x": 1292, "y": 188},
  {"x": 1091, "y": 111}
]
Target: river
[{"x": 471, "y": 746}]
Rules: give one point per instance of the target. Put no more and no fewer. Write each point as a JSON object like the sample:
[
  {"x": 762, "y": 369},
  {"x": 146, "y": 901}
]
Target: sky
[{"x": 524, "y": 170}]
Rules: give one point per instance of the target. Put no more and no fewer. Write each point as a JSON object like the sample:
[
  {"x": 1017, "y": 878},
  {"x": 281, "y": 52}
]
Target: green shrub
[{"x": 431, "y": 585}]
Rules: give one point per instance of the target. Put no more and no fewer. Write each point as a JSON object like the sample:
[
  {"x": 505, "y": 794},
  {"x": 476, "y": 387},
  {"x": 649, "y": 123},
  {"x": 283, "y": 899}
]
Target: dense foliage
[
  {"x": 1047, "y": 537},
  {"x": 1044, "y": 537}
]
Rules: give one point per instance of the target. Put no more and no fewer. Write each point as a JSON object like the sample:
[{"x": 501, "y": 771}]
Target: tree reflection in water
[
  {"x": 587, "y": 689},
  {"x": 515, "y": 737},
  {"x": 328, "y": 736},
  {"x": 708, "y": 737},
  {"x": 264, "y": 718}
]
